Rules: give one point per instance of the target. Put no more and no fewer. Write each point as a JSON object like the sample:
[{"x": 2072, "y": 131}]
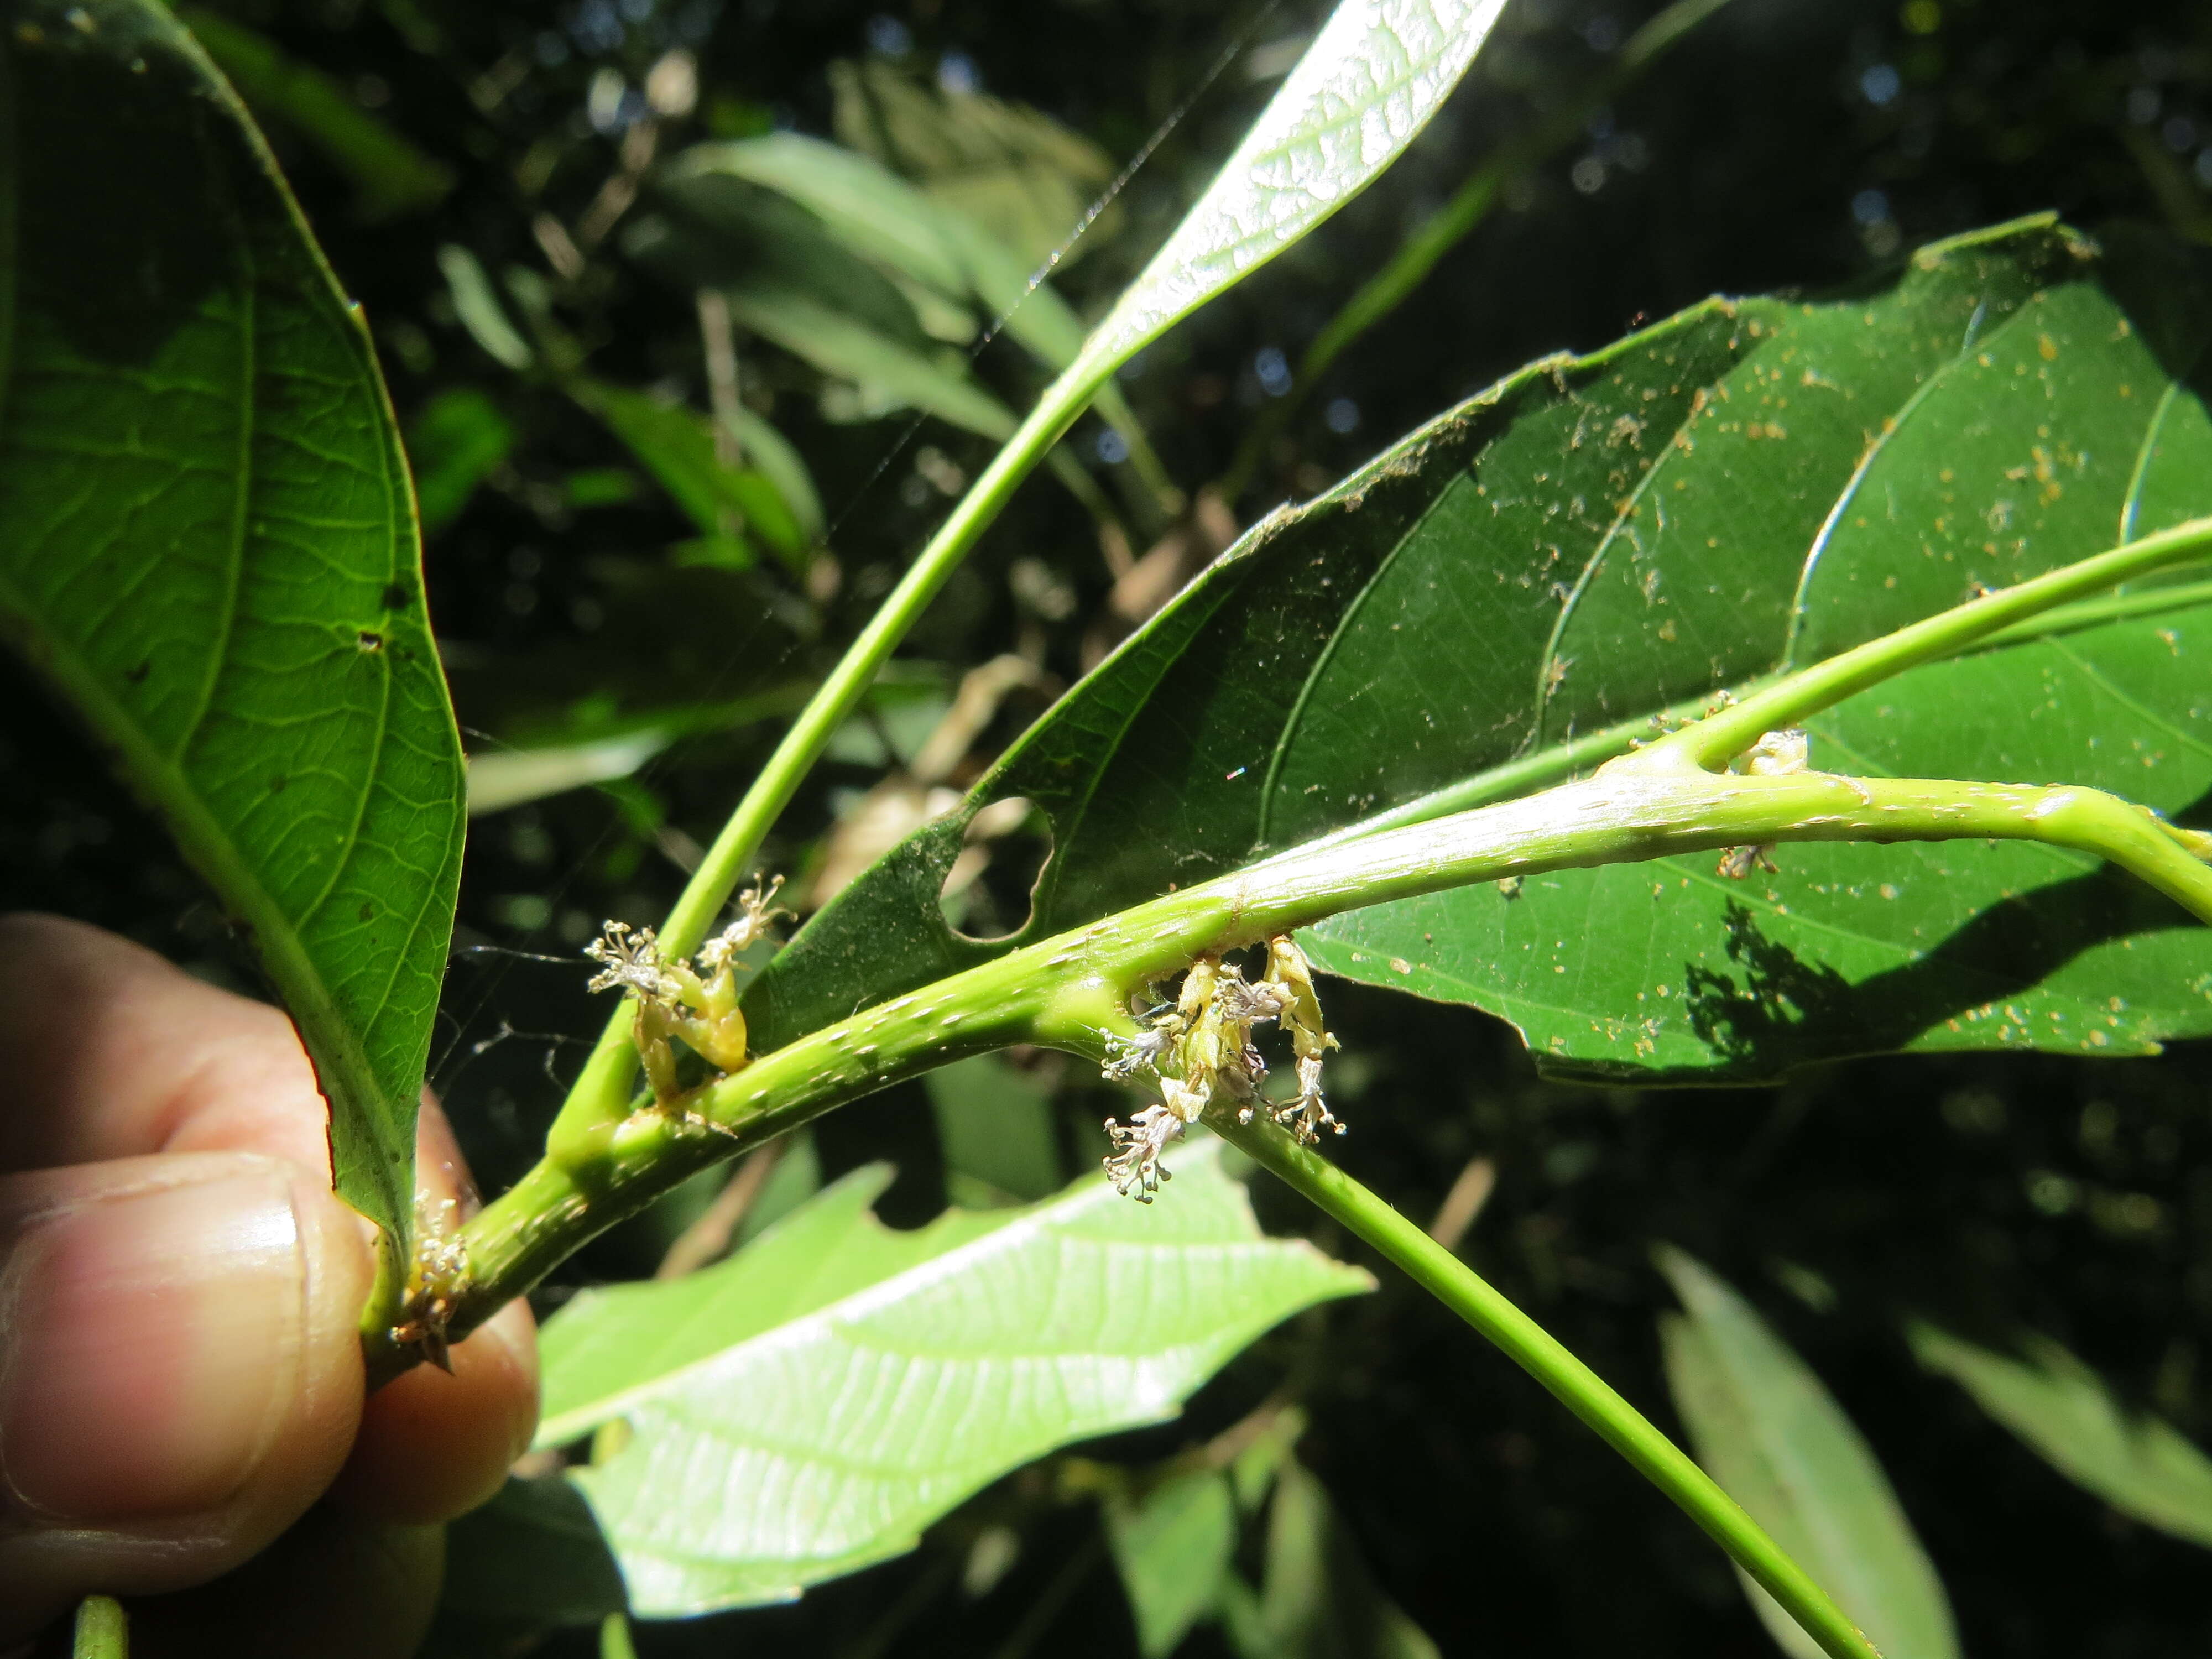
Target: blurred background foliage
[{"x": 690, "y": 311}]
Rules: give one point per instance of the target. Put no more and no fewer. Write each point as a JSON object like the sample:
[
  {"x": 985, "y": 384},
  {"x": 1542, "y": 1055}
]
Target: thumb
[{"x": 180, "y": 1371}]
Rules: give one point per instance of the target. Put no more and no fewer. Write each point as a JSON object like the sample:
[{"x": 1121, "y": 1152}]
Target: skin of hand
[{"x": 180, "y": 1374}]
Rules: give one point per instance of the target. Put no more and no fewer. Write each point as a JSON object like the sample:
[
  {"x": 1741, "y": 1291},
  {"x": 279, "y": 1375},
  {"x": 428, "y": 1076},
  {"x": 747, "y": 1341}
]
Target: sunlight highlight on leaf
[{"x": 809, "y": 1406}]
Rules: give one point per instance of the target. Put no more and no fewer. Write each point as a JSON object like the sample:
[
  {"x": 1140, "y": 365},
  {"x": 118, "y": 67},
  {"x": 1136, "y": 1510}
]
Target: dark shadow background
[{"x": 1790, "y": 142}]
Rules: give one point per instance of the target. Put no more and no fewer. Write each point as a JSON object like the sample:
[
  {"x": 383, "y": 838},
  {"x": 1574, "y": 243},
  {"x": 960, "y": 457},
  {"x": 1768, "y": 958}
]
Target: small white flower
[
  {"x": 1125, "y": 1056},
  {"x": 631, "y": 960},
  {"x": 1308, "y": 1115},
  {"x": 758, "y": 913},
  {"x": 1134, "y": 1168}
]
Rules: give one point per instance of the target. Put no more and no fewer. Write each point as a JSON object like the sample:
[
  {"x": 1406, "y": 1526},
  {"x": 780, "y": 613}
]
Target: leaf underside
[
  {"x": 1767, "y": 1431},
  {"x": 1749, "y": 486},
  {"x": 208, "y": 543},
  {"x": 809, "y": 1406},
  {"x": 2143, "y": 1466}
]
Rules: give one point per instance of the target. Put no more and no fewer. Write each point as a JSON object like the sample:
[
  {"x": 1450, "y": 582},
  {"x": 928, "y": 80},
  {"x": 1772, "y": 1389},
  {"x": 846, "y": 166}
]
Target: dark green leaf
[
  {"x": 1009, "y": 168},
  {"x": 1319, "y": 1599},
  {"x": 807, "y": 1407},
  {"x": 994, "y": 1124},
  {"x": 459, "y": 440},
  {"x": 1518, "y": 588},
  {"x": 208, "y": 549},
  {"x": 677, "y": 448},
  {"x": 392, "y": 176},
  {"x": 1172, "y": 1548},
  {"x": 1767, "y": 1431},
  {"x": 533, "y": 1555},
  {"x": 2139, "y": 1464}
]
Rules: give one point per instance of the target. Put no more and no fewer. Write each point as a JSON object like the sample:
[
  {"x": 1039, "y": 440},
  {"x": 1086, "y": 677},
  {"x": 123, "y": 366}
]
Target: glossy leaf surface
[
  {"x": 2064, "y": 1411},
  {"x": 1766, "y": 1430},
  {"x": 1744, "y": 486},
  {"x": 809, "y": 1406},
  {"x": 208, "y": 544}
]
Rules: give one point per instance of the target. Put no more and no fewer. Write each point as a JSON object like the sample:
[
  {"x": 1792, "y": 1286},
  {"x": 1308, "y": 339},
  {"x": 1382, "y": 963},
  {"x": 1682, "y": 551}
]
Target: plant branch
[
  {"x": 601, "y": 1093},
  {"x": 1070, "y": 991},
  {"x": 1529, "y": 1345},
  {"x": 1716, "y": 741}
]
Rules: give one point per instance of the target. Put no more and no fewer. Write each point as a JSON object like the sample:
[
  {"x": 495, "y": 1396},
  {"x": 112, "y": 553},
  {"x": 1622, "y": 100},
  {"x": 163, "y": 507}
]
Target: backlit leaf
[
  {"x": 809, "y": 1406},
  {"x": 1766, "y": 1430},
  {"x": 208, "y": 544},
  {"x": 2139, "y": 1464}
]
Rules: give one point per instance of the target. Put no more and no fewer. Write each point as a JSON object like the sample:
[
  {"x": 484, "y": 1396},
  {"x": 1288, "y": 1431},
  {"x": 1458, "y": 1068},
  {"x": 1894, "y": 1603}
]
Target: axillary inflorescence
[
  {"x": 695, "y": 1000},
  {"x": 1200, "y": 1049}
]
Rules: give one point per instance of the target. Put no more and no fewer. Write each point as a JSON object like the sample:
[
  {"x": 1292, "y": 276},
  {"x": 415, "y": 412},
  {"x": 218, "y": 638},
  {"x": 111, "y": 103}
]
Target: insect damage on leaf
[{"x": 1200, "y": 1046}]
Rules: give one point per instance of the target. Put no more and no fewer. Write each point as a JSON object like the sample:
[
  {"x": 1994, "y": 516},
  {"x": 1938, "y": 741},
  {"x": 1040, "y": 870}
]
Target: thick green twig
[
  {"x": 1068, "y": 991},
  {"x": 1584, "y": 1393},
  {"x": 1717, "y": 740}
]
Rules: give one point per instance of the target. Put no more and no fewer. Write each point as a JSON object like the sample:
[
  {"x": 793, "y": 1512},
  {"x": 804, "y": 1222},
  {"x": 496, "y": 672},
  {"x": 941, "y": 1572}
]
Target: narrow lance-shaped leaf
[
  {"x": 1373, "y": 77},
  {"x": 1767, "y": 1431},
  {"x": 1518, "y": 589},
  {"x": 2065, "y": 1411},
  {"x": 208, "y": 546},
  {"x": 809, "y": 1406}
]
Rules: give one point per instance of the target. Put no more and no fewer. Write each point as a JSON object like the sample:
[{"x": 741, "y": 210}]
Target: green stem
[
  {"x": 1716, "y": 740},
  {"x": 1584, "y": 1393},
  {"x": 602, "y": 1091},
  {"x": 1065, "y": 992},
  {"x": 1450, "y": 224}
]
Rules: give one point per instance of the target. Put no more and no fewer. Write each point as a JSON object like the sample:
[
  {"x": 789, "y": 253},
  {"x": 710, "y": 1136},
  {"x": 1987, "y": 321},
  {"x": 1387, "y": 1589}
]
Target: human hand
[{"x": 180, "y": 1370}]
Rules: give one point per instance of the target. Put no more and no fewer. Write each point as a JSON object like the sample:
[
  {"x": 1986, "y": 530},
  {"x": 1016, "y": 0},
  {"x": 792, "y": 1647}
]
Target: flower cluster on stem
[
  {"x": 1200, "y": 1049},
  {"x": 695, "y": 1001}
]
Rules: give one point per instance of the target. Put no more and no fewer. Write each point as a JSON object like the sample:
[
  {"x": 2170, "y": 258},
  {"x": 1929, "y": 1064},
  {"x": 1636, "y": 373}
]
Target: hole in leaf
[{"x": 987, "y": 893}]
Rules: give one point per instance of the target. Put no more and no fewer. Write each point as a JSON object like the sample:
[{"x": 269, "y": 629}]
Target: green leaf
[
  {"x": 1319, "y": 1599},
  {"x": 1367, "y": 85},
  {"x": 476, "y": 304},
  {"x": 1172, "y": 1547},
  {"x": 2139, "y": 1464},
  {"x": 1766, "y": 1430},
  {"x": 532, "y": 1555},
  {"x": 392, "y": 176},
  {"x": 500, "y": 779},
  {"x": 1018, "y": 175},
  {"x": 457, "y": 440},
  {"x": 809, "y": 1406},
  {"x": 774, "y": 457},
  {"x": 207, "y": 548},
  {"x": 880, "y": 217},
  {"x": 1620, "y": 544},
  {"x": 677, "y": 448},
  {"x": 995, "y": 1126},
  {"x": 840, "y": 344}
]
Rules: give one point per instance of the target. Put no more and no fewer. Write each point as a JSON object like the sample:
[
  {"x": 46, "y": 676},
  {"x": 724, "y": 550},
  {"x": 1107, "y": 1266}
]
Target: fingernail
[{"x": 154, "y": 1332}]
